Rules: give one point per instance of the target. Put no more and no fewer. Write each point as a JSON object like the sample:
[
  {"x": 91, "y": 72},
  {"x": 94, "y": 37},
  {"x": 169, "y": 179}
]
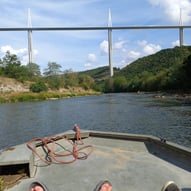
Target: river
[{"x": 168, "y": 117}]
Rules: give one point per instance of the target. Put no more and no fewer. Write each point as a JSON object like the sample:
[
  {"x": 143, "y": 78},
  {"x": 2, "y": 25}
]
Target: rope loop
[{"x": 49, "y": 147}]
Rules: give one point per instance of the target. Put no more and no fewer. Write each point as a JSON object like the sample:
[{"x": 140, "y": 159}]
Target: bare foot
[
  {"x": 37, "y": 188},
  {"x": 106, "y": 187}
]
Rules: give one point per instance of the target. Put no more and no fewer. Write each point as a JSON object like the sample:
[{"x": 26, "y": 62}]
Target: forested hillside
[
  {"x": 155, "y": 63},
  {"x": 169, "y": 69}
]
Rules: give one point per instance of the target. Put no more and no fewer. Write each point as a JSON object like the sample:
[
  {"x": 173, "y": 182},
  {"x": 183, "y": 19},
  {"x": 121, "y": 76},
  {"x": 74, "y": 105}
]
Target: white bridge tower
[
  {"x": 30, "y": 51},
  {"x": 110, "y": 43},
  {"x": 181, "y": 33}
]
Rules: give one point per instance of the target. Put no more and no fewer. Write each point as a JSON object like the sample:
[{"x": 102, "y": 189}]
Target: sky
[{"x": 85, "y": 50}]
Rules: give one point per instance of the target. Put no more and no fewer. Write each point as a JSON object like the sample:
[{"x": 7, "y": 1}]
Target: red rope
[{"x": 52, "y": 155}]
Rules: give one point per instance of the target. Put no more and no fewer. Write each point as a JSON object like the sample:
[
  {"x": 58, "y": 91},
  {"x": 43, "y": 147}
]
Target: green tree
[
  {"x": 52, "y": 73},
  {"x": 70, "y": 78},
  {"x": 34, "y": 69},
  {"x": 109, "y": 85},
  {"x": 86, "y": 81},
  {"x": 134, "y": 84},
  {"x": 145, "y": 75},
  {"x": 53, "y": 69},
  {"x": 12, "y": 67},
  {"x": 1, "y": 67},
  {"x": 120, "y": 84},
  {"x": 187, "y": 69},
  {"x": 55, "y": 82}
]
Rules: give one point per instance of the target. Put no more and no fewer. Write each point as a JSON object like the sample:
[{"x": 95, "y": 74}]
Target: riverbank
[
  {"x": 12, "y": 91},
  {"x": 14, "y": 97}
]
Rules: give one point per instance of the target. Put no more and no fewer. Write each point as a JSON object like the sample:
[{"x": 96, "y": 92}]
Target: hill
[
  {"x": 155, "y": 63},
  {"x": 168, "y": 69},
  {"x": 99, "y": 74}
]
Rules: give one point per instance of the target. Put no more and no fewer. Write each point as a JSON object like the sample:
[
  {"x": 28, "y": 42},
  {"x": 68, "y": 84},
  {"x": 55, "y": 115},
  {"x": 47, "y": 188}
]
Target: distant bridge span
[
  {"x": 108, "y": 28},
  {"x": 94, "y": 28}
]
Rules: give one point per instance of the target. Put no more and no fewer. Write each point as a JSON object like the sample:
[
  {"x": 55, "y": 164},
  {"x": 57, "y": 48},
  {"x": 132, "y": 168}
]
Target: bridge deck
[{"x": 95, "y": 28}]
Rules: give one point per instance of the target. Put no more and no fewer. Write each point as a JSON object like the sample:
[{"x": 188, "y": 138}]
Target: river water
[{"x": 168, "y": 117}]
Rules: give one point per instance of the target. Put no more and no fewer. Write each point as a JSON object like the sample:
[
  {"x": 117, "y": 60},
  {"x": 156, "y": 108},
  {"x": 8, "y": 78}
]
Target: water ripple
[{"x": 130, "y": 113}]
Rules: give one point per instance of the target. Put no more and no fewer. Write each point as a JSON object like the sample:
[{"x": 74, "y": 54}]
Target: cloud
[
  {"x": 142, "y": 43},
  {"x": 149, "y": 48},
  {"x": 91, "y": 57},
  {"x": 88, "y": 65},
  {"x": 21, "y": 53},
  {"x": 104, "y": 47},
  {"x": 90, "y": 60},
  {"x": 176, "y": 43},
  {"x": 172, "y": 9},
  {"x": 144, "y": 48},
  {"x": 127, "y": 54},
  {"x": 9, "y": 48},
  {"x": 134, "y": 54},
  {"x": 119, "y": 45},
  {"x": 129, "y": 57}
]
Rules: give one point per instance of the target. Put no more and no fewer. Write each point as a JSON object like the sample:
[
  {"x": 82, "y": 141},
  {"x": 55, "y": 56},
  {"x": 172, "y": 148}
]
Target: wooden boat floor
[{"x": 128, "y": 165}]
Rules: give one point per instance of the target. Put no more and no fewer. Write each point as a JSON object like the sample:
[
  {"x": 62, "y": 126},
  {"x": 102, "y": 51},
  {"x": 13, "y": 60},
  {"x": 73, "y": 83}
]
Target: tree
[
  {"x": 55, "y": 82},
  {"x": 1, "y": 67},
  {"x": 53, "y": 69},
  {"x": 70, "y": 78},
  {"x": 187, "y": 68},
  {"x": 86, "y": 81},
  {"x": 120, "y": 84},
  {"x": 53, "y": 75},
  {"x": 10, "y": 59},
  {"x": 12, "y": 66},
  {"x": 109, "y": 87},
  {"x": 34, "y": 69}
]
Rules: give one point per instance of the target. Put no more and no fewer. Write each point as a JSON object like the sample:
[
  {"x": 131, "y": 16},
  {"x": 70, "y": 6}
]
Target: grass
[{"x": 29, "y": 96}]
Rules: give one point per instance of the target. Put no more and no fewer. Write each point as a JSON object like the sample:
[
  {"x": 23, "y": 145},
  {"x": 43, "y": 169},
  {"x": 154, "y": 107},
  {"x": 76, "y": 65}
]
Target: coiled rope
[{"x": 52, "y": 155}]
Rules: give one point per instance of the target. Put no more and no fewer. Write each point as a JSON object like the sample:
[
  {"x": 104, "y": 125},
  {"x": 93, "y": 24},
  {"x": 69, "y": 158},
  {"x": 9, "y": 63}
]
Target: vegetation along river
[{"x": 162, "y": 116}]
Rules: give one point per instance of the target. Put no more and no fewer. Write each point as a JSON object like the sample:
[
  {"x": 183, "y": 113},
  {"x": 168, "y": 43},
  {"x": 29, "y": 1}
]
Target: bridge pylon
[
  {"x": 110, "y": 44},
  {"x": 30, "y": 51}
]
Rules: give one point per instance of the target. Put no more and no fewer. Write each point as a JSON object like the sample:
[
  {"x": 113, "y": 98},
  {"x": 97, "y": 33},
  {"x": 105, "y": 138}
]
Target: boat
[{"x": 79, "y": 159}]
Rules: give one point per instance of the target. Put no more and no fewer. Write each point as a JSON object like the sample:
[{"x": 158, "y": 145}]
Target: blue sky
[{"x": 83, "y": 50}]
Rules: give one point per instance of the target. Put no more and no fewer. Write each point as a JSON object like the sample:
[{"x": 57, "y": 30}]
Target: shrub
[{"x": 38, "y": 87}]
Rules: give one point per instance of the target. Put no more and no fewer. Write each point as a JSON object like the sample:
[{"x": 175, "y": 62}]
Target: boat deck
[{"x": 129, "y": 164}]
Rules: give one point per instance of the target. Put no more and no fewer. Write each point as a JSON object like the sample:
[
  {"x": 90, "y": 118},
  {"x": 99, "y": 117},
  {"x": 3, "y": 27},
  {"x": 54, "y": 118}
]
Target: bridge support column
[
  {"x": 30, "y": 51},
  {"x": 110, "y": 51},
  {"x": 110, "y": 43},
  {"x": 181, "y": 36},
  {"x": 30, "y": 46}
]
